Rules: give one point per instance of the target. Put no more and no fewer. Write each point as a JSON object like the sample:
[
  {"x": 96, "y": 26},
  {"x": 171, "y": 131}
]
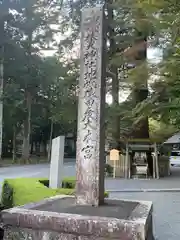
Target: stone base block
[{"x": 58, "y": 218}]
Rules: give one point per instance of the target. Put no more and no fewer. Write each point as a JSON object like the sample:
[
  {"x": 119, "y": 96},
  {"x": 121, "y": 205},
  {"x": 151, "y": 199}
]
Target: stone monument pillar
[
  {"x": 91, "y": 138},
  {"x": 57, "y": 159}
]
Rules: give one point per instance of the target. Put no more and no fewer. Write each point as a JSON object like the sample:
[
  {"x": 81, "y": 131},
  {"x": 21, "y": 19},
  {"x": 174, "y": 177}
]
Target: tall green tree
[
  {"x": 33, "y": 22},
  {"x": 121, "y": 27},
  {"x": 1, "y": 80},
  {"x": 59, "y": 94},
  {"x": 163, "y": 101},
  {"x": 6, "y": 22}
]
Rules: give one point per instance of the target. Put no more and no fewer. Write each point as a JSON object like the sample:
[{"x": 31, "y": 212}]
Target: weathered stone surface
[
  {"x": 91, "y": 138},
  {"x": 56, "y": 166},
  {"x": 111, "y": 208},
  {"x": 12, "y": 233},
  {"x": 137, "y": 226}
]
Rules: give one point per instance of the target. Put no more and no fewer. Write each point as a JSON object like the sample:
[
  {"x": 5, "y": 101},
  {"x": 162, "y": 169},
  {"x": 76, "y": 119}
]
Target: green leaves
[
  {"x": 33, "y": 26},
  {"x": 50, "y": 83}
]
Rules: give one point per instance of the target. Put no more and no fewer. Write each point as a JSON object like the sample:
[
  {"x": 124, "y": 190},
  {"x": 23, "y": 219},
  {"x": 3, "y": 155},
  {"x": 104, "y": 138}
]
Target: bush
[
  {"x": 20, "y": 191},
  {"x": 69, "y": 182},
  {"x": 108, "y": 169}
]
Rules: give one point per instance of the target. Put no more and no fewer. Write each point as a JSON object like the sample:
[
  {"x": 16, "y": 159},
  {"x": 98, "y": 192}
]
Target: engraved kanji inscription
[{"x": 90, "y": 136}]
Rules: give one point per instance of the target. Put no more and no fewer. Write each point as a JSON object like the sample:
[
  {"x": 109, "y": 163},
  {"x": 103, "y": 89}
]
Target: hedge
[{"x": 20, "y": 191}]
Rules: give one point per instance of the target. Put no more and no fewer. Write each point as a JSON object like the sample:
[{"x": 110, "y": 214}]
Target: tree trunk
[
  {"x": 28, "y": 99},
  {"x": 50, "y": 141},
  {"x": 115, "y": 97},
  {"x": 1, "y": 81},
  {"x": 141, "y": 131},
  {"x": 1, "y": 95},
  {"x": 32, "y": 147},
  {"x": 140, "y": 93},
  {"x": 114, "y": 70},
  {"x": 45, "y": 148},
  {"x": 38, "y": 146},
  {"x": 14, "y": 144},
  {"x": 27, "y": 129}
]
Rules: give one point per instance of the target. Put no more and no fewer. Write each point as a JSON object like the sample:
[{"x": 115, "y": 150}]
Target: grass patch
[{"x": 20, "y": 191}]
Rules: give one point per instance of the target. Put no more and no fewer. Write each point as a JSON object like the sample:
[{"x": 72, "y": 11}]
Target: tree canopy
[{"x": 40, "y": 91}]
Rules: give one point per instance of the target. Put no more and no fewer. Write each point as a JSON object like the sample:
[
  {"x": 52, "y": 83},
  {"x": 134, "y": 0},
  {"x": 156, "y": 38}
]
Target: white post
[
  {"x": 127, "y": 162},
  {"x": 129, "y": 166},
  {"x": 1, "y": 90},
  {"x": 57, "y": 159},
  {"x": 154, "y": 166},
  {"x": 114, "y": 172},
  {"x": 156, "y": 158}
]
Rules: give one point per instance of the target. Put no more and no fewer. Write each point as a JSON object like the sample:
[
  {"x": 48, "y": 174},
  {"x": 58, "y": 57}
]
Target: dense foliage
[{"x": 40, "y": 92}]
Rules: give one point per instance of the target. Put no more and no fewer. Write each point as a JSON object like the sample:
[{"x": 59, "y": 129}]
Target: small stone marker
[
  {"x": 91, "y": 134},
  {"x": 57, "y": 159}
]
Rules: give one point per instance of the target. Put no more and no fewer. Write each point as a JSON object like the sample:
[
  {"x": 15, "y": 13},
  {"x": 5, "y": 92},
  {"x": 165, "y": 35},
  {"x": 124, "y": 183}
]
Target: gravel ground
[{"x": 166, "y": 212}]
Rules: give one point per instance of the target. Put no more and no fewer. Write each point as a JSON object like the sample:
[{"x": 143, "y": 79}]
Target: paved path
[
  {"x": 114, "y": 185},
  {"x": 170, "y": 182},
  {"x": 42, "y": 170},
  {"x": 166, "y": 204},
  {"x": 38, "y": 170},
  {"x": 166, "y": 212}
]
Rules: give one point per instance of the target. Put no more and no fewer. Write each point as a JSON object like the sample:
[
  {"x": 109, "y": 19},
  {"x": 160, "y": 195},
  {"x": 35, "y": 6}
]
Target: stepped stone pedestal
[{"x": 59, "y": 218}]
